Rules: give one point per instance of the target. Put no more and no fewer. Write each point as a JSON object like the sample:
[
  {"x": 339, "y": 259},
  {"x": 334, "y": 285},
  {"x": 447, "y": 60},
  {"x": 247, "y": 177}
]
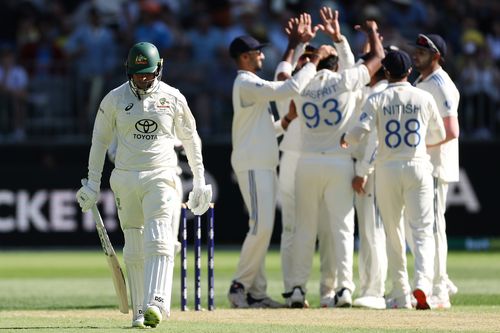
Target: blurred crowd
[{"x": 59, "y": 57}]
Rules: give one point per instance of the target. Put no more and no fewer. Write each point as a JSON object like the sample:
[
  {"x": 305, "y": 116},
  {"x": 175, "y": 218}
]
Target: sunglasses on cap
[
  {"x": 257, "y": 52},
  {"x": 426, "y": 42}
]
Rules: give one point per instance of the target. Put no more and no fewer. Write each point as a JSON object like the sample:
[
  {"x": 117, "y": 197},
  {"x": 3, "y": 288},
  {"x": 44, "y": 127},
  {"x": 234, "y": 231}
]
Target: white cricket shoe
[
  {"x": 343, "y": 298},
  {"x": 452, "y": 288},
  {"x": 297, "y": 298},
  {"x": 370, "y": 302},
  {"x": 139, "y": 322},
  {"x": 237, "y": 296},
  {"x": 440, "y": 301},
  {"x": 401, "y": 302},
  {"x": 422, "y": 302},
  {"x": 152, "y": 316},
  {"x": 328, "y": 300}
]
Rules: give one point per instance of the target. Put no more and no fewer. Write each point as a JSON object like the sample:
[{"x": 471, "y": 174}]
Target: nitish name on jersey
[{"x": 401, "y": 108}]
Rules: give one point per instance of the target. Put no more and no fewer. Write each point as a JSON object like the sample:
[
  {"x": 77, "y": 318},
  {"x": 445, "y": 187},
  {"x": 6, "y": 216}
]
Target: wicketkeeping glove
[
  {"x": 87, "y": 195},
  {"x": 199, "y": 199}
]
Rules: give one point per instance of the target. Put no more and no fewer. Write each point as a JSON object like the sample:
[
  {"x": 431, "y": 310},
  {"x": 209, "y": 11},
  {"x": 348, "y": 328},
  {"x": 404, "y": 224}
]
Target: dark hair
[{"x": 328, "y": 63}]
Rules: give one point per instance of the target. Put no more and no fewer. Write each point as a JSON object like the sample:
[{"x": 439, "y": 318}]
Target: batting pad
[
  {"x": 159, "y": 275},
  {"x": 159, "y": 250},
  {"x": 133, "y": 255}
]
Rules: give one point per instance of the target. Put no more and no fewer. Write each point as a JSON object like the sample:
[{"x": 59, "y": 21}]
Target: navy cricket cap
[
  {"x": 244, "y": 44},
  {"x": 397, "y": 63},
  {"x": 433, "y": 43}
]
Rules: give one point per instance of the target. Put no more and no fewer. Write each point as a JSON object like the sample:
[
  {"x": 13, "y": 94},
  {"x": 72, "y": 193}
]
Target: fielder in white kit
[
  {"x": 290, "y": 147},
  {"x": 143, "y": 113},
  {"x": 406, "y": 119},
  {"x": 372, "y": 254},
  {"x": 255, "y": 157},
  {"x": 429, "y": 53},
  {"x": 324, "y": 170}
]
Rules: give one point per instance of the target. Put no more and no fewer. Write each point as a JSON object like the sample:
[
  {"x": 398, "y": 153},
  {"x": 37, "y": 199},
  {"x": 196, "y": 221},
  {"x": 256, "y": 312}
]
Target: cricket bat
[{"x": 114, "y": 265}]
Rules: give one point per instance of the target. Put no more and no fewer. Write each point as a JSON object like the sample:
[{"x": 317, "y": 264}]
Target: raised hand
[
  {"x": 367, "y": 26},
  {"x": 305, "y": 28},
  {"x": 330, "y": 24},
  {"x": 292, "y": 30}
]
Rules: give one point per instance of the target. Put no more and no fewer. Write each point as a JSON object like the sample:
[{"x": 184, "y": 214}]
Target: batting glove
[
  {"x": 87, "y": 195},
  {"x": 199, "y": 199}
]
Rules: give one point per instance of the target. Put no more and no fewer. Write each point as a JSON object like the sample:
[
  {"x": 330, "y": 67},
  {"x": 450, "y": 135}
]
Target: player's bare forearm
[
  {"x": 292, "y": 30},
  {"x": 373, "y": 62}
]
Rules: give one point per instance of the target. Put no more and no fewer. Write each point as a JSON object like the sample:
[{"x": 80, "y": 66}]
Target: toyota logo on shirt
[{"x": 146, "y": 126}]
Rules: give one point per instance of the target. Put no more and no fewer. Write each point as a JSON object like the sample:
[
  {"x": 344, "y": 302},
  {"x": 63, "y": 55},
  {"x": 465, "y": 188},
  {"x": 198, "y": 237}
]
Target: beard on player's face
[
  {"x": 422, "y": 59},
  {"x": 143, "y": 81},
  {"x": 257, "y": 64}
]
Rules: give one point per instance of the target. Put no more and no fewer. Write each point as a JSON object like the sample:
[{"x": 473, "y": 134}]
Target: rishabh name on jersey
[{"x": 444, "y": 158}]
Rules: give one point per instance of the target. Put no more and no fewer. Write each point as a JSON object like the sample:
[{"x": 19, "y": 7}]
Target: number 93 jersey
[
  {"x": 325, "y": 107},
  {"x": 406, "y": 119}
]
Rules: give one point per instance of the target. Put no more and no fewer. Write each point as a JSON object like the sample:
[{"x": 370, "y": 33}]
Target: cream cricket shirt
[
  {"x": 365, "y": 151},
  {"x": 325, "y": 107},
  {"x": 145, "y": 131},
  {"x": 253, "y": 134},
  {"x": 402, "y": 116},
  {"x": 444, "y": 158}
]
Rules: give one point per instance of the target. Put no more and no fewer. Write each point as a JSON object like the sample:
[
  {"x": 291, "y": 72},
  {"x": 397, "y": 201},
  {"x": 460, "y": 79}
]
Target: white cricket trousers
[
  {"x": 324, "y": 179},
  {"x": 407, "y": 185},
  {"x": 440, "y": 238},
  {"x": 441, "y": 241},
  {"x": 288, "y": 166},
  {"x": 145, "y": 202},
  {"x": 258, "y": 188},
  {"x": 372, "y": 252}
]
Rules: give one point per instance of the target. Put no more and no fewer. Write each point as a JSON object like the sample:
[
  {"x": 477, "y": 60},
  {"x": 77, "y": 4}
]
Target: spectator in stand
[
  {"x": 92, "y": 50},
  {"x": 493, "y": 41},
  {"x": 13, "y": 95},
  {"x": 204, "y": 39},
  {"x": 479, "y": 80},
  {"x": 151, "y": 28},
  {"x": 43, "y": 57}
]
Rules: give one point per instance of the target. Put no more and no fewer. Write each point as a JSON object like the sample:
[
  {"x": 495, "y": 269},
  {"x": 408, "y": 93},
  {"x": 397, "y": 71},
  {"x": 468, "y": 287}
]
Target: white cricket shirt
[
  {"x": 145, "y": 131},
  {"x": 253, "y": 134},
  {"x": 365, "y": 151},
  {"x": 325, "y": 107},
  {"x": 402, "y": 115},
  {"x": 444, "y": 157}
]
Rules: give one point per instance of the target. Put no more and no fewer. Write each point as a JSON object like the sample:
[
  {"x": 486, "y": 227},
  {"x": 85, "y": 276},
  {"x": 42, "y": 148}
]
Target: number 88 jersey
[{"x": 406, "y": 119}]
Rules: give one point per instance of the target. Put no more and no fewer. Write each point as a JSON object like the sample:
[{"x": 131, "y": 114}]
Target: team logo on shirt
[
  {"x": 129, "y": 106},
  {"x": 164, "y": 103},
  {"x": 363, "y": 116},
  {"x": 146, "y": 127}
]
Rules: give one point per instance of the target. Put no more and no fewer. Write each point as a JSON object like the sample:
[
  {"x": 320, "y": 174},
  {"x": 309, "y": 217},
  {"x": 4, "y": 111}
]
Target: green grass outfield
[{"x": 71, "y": 291}]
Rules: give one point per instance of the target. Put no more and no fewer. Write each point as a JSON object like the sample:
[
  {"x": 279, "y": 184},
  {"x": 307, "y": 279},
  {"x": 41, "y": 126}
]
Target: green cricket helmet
[{"x": 144, "y": 58}]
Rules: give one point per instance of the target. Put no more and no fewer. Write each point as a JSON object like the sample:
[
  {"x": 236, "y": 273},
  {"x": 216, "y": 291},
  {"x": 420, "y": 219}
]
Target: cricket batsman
[{"x": 144, "y": 112}]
